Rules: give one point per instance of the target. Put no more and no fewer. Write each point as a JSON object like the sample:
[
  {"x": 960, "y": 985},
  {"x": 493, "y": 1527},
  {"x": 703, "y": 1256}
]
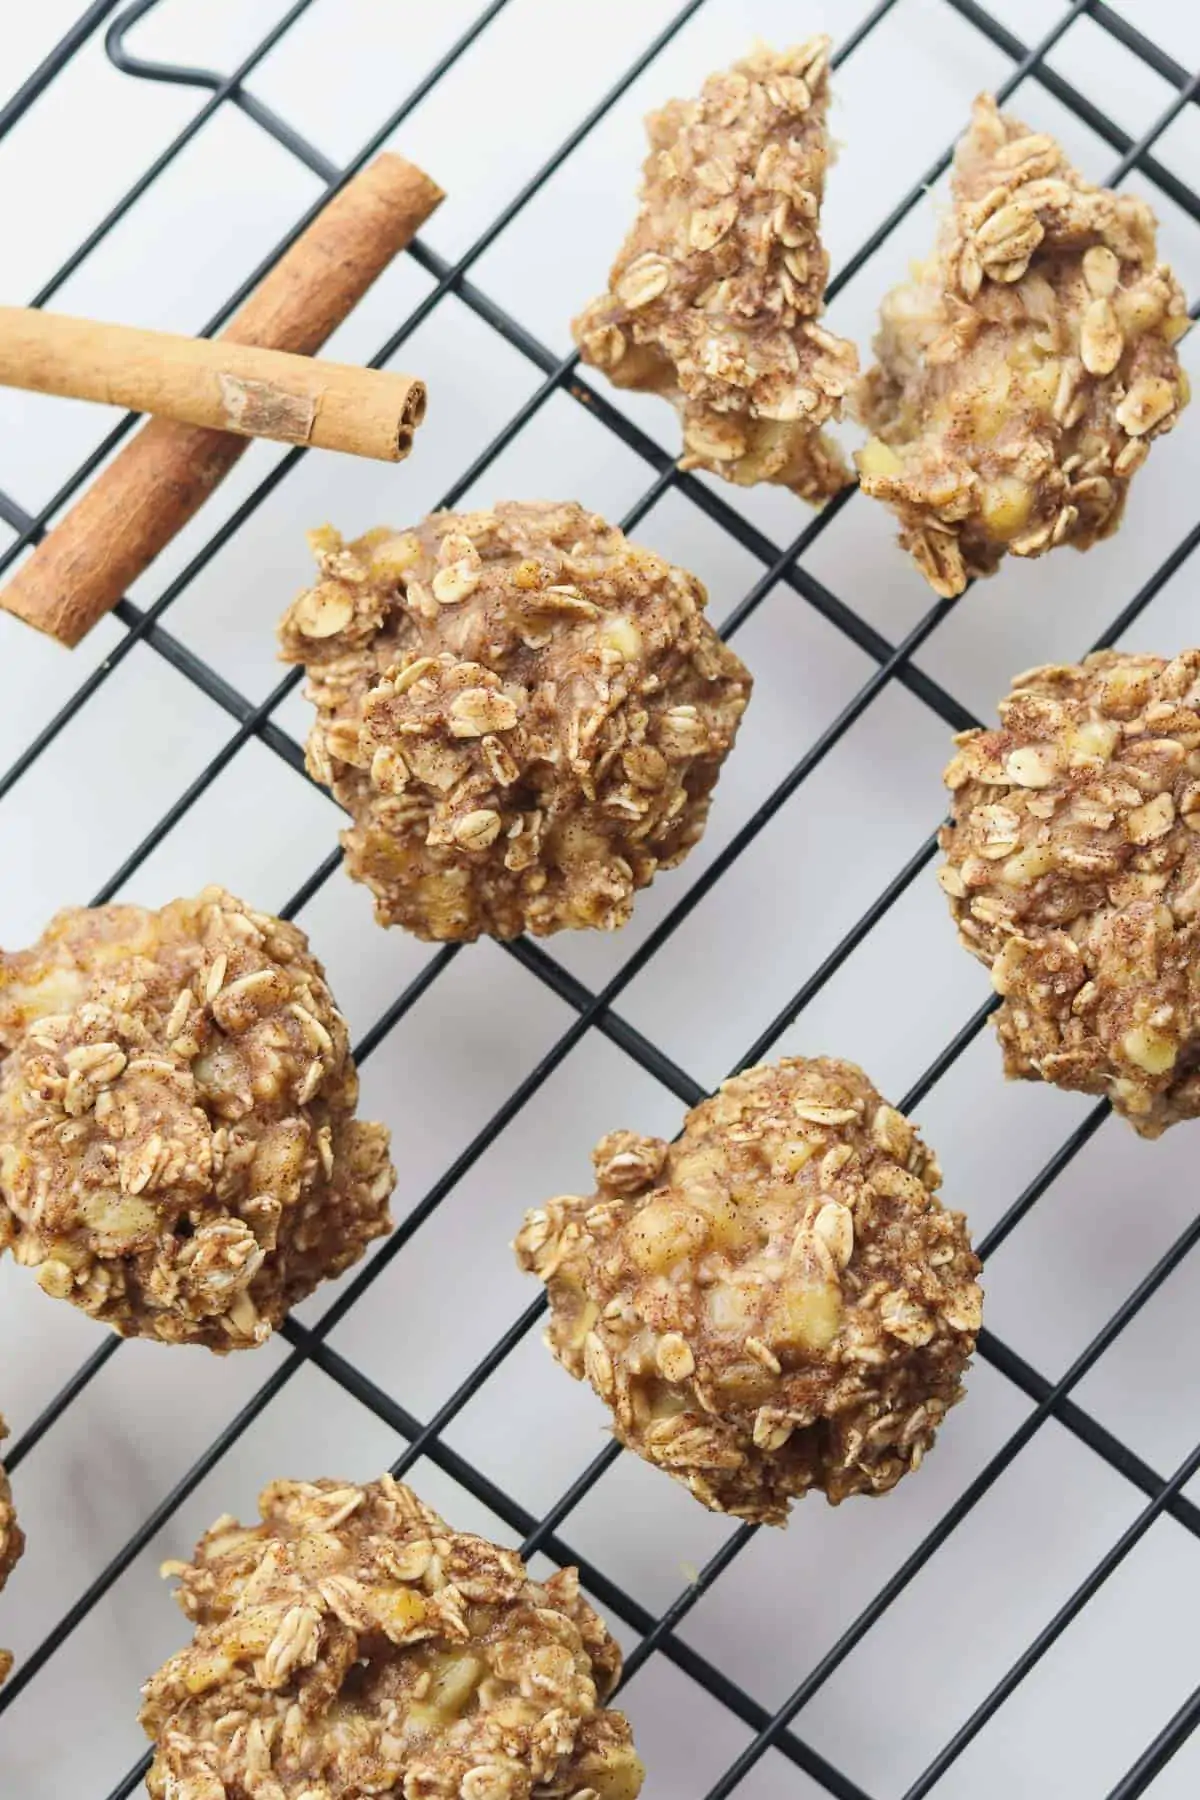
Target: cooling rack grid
[{"x": 873, "y": 1651}]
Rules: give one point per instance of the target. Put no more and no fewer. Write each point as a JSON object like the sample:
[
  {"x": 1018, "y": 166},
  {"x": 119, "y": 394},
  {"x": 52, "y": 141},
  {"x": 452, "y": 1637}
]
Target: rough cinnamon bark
[{"x": 162, "y": 477}]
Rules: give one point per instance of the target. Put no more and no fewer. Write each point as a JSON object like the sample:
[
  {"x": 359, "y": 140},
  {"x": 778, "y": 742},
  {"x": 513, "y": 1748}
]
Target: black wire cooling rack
[{"x": 657, "y": 1636}]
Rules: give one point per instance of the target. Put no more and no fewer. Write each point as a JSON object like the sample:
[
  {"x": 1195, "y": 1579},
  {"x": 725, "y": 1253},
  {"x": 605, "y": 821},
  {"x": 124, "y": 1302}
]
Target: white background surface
[{"x": 1118, "y": 1674}]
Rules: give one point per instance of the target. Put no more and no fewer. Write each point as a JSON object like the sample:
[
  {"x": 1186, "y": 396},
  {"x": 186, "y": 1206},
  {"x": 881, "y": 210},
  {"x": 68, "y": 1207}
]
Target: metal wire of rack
[{"x": 597, "y": 1010}]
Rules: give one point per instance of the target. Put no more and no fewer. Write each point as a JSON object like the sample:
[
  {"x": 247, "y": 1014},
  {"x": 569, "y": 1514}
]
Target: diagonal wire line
[
  {"x": 20, "y": 1679},
  {"x": 1135, "y": 155},
  {"x": 1157, "y": 1755},
  {"x": 1050, "y": 1633},
  {"x": 1165, "y": 1495},
  {"x": 83, "y": 1376},
  {"x": 35, "y": 84},
  {"x": 148, "y": 1529},
  {"x": 539, "y": 1535},
  {"x": 1082, "y": 1425},
  {"x": 1051, "y": 1397},
  {"x": 647, "y": 1054},
  {"x": 1127, "y": 34},
  {"x": 825, "y": 602},
  {"x": 994, "y": 1238},
  {"x": 255, "y": 720},
  {"x": 30, "y": 528},
  {"x": 177, "y": 812},
  {"x": 221, "y": 92}
]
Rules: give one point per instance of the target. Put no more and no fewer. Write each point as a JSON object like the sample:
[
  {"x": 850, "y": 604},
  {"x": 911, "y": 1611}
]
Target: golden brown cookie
[
  {"x": 1024, "y": 369},
  {"x": 179, "y": 1154},
  {"x": 524, "y": 714},
  {"x": 1073, "y": 870},
  {"x": 353, "y": 1644},
  {"x": 715, "y": 297},
  {"x": 776, "y": 1301}
]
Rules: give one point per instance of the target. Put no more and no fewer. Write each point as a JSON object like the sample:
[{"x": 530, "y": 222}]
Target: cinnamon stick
[
  {"x": 227, "y": 387},
  {"x": 164, "y": 474}
]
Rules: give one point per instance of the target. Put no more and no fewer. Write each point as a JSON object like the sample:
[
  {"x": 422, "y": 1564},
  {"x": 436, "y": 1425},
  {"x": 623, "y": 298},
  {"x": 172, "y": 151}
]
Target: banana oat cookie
[
  {"x": 524, "y": 714},
  {"x": 1073, "y": 871},
  {"x": 1024, "y": 369},
  {"x": 179, "y": 1154},
  {"x": 773, "y": 1303},
  {"x": 353, "y": 1644},
  {"x": 715, "y": 297}
]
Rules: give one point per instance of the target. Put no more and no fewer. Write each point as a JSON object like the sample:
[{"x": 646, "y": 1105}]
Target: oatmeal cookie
[
  {"x": 715, "y": 298},
  {"x": 354, "y": 1644},
  {"x": 524, "y": 714},
  {"x": 179, "y": 1154},
  {"x": 1073, "y": 871},
  {"x": 12, "y": 1542},
  {"x": 773, "y": 1303},
  {"x": 1023, "y": 370}
]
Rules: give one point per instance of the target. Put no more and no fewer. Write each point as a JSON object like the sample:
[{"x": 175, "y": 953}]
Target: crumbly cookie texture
[
  {"x": 353, "y": 1644},
  {"x": 1023, "y": 370},
  {"x": 12, "y": 1542},
  {"x": 524, "y": 714},
  {"x": 1073, "y": 871},
  {"x": 773, "y": 1303},
  {"x": 179, "y": 1154},
  {"x": 715, "y": 298}
]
